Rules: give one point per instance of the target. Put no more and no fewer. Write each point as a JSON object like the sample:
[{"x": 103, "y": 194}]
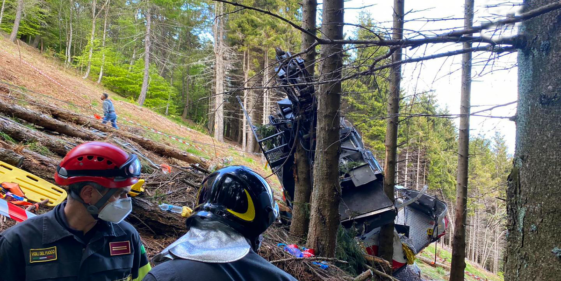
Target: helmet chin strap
[{"x": 94, "y": 209}]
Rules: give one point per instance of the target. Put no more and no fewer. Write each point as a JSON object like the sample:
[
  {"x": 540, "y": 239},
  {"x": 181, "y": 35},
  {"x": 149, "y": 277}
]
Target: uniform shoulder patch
[
  {"x": 42, "y": 255},
  {"x": 119, "y": 248}
]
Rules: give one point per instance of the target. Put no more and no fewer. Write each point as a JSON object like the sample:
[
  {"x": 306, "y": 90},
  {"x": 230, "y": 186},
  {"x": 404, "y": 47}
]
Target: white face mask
[{"x": 116, "y": 211}]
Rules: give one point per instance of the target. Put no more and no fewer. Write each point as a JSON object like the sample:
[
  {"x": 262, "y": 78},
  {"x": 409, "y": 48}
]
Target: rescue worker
[
  {"x": 85, "y": 237},
  {"x": 234, "y": 207},
  {"x": 109, "y": 111}
]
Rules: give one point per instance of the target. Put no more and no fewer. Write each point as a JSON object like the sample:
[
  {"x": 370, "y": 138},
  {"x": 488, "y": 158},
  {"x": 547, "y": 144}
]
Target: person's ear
[{"x": 87, "y": 194}]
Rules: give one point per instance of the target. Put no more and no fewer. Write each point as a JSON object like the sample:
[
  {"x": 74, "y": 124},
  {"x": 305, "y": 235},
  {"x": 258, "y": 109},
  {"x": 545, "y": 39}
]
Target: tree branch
[{"x": 451, "y": 37}]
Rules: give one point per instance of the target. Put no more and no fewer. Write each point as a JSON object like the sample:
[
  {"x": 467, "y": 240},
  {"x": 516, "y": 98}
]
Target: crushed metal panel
[
  {"x": 359, "y": 201},
  {"x": 362, "y": 175}
]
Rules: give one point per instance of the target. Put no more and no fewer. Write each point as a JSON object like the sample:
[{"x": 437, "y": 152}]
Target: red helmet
[{"x": 99, "y": 162}]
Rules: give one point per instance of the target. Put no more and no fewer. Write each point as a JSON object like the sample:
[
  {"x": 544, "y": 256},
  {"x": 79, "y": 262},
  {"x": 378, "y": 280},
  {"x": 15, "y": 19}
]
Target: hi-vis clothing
[{"x": 46, "y": 248}]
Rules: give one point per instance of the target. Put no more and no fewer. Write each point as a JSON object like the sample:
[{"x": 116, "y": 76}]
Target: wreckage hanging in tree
[{"x": 420, "y": 218}]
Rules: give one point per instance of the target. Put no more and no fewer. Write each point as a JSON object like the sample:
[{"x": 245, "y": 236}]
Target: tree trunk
[
  {"x": 251, "y": 111},
  {"x": 406, "y": 169},
  {"x": 33, "y": 162},
  {"x": 459, "y": 247},
  {"x": 92, "y": 37},
  {"x": 103, "y": 42},
  {"x": 22, "y": 134},
  {"x": 324, "y": 220},
  {"x": 303, "y": 183},
  {"x": 387, "y": 231},
  {"x": 245, "y": 96},
  {"x": 418, "y": 168},
  {"x": 15, "y": 29},
  {"x": 45, "y": 121},
  {"x": 133, "y": 59},
  {"x": 186, "y": 91},
  {"x": 265, "y": 84},
  {"x": 69, "y": 43},
  {"x": 144, "y": 89},
  {"x": 2, "y": 11},
  {"x": 219, "y": 73},
  {"x": 534, "y": 212}
]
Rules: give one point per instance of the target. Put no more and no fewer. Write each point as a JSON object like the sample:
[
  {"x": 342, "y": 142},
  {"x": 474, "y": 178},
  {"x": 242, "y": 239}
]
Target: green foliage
[
  {"x": 33, "y": 18},
  {"x": 349, "y": 250},
  {"x": 7, "y": 138},
  {"x": 39, "y": 148}
]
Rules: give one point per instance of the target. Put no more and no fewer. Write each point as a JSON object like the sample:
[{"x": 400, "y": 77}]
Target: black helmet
[{"x": 238, "y": 197}]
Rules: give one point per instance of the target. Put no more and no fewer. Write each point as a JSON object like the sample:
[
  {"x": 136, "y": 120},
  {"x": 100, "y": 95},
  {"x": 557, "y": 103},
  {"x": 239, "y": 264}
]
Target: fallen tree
[
  {"x": 59, "y": 126},
  {"x": 147, "y": 144},
  {"x": 28, "y": 160},
  {"x": 20, "y": 133},
  {"x": 44, "y": 121}
]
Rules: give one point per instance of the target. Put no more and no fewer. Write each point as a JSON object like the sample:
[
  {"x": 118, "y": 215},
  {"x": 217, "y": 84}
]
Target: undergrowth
[
  {"x": 349, "y": 250},
  {"x": 7, "y": 138}
]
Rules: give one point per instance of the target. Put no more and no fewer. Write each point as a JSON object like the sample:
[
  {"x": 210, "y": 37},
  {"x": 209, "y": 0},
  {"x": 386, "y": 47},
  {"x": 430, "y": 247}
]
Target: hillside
[
  {"x": 473, "y": 271},
  {"x": 34, "y": 79}
]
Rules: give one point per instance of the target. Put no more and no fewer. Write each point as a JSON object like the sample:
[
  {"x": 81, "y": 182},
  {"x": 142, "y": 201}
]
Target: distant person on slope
[
  {"x": 109, "y": 111},
  {"x": 234, "y": 207}
]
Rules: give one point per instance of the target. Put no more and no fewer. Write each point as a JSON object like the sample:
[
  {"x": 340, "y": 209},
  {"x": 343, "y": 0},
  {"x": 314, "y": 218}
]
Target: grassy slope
[
  {"x": 431, "y": 273},
  {"x": 71, "y": 92}
]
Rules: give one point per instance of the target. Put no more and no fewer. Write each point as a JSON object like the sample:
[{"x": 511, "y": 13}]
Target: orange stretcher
[{"x": 35, "y": 188}]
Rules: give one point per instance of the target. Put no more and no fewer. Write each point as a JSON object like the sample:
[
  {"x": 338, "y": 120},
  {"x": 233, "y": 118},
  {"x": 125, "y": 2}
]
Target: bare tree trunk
[
  {"x": 92, "y": 37},
  {"x": 496, "y": 245},
  {"x": 324, "y": 220},
  {"x": 144, "y": 89},
  {"x": 103, "y": 42},
  {"x": 418, "y": 168},
  {"x": 303, "y": 184},
  {"x": 406, "y": 168},
  {"x": 69, "y": 43},
  {"x": 534, "y": 240},
  {"x": 219, "y": 75},
  {"x": 458, "y": 250},
  {"x": 245, "y": 93},
  {"x": 186, "y": 91},
  {"x": 2, "y": 11},
  {"x": 265, "y": 85},
  {"x": 133, "y": 59},
  {"x": 387, "y": 232},
  {"x": 15, "y": 29}
]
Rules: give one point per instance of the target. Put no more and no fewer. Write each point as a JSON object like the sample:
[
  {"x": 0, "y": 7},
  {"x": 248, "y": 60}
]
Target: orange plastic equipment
[
  {"x": 97, "y": 116},
  {"x": 13, "y": 188},
  {"x": 35, "y": 188}
]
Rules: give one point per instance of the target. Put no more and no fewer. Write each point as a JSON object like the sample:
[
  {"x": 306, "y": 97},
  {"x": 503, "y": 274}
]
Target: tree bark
[
  {"x": 219, "y": 73},
  {"x": 324, "y": 220},
  {"x": 534, "y": 212},
  {"x": 245, "y": 96},
  {"x": 147, "y": 144},
  {"x": 17, "y": 21},
  {"x": 387, "y": 231},
  {"x": 45, "y": 121},
  {"x": 459, "y": 245},
  {"x": 92, "y": 37},
  {"x": 303, "y": 183},
  {"x": 144, "y": 89},
  {"x": 69, "y": 43},
  {"x": 32, "y": 162},
  {"x": 23, "y": 134},
  {"x": 103, "y": 42},
  {"x": 186, "y": 91},
  {"x": 2, "y": 11}
]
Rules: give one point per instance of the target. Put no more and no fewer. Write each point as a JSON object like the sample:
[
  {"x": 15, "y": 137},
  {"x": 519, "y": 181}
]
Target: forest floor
[{"x": 444, "y": 256}]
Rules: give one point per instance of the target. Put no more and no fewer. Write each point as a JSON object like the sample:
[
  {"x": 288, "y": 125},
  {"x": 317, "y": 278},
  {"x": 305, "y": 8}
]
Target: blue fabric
[{"x": 111, "y": 117}]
